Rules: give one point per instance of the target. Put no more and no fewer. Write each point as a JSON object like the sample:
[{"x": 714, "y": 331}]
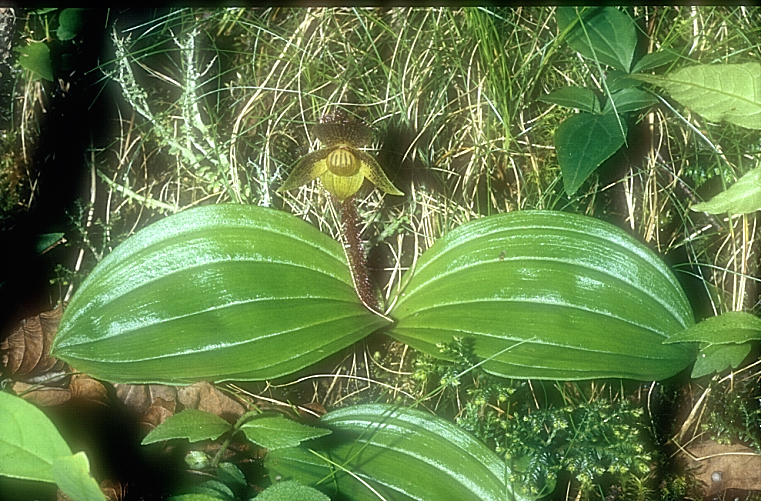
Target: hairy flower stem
[{"x": 355, "y": 254}]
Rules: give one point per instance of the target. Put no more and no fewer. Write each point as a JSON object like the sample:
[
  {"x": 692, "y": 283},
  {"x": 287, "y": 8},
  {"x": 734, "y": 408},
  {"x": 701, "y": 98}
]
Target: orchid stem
[{"x": 355, "y": 254}]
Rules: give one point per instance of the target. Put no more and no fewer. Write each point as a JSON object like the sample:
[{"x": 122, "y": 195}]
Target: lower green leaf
[
  {"x": 718, "y": 358},
  {"x": 276, "y": 432},
  {"x": 190, "y": 424},
  {"x": 290, "y": 491},
  {"x": 730, "y": 327},
  {"x": 547, "y": 295},
  {"x": 384, "y": 452},
  {"x": 29, "y": 442},
  {"x": 72, "y": 475}
]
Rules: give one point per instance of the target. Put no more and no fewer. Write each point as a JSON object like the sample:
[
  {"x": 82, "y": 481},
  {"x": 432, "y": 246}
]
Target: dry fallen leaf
[
  {"x": 134, "y": 396},
  {"x": 722, "y": 467},
  {"x": 157, "y": 413},
  {"x": 140, "y": 397},
  {"x": 114, "y": 491},
  {"x": 84, "y": 387},
  {"x": 206, "y": 397},
  {"x": 43, "y": 396},
  {"x": 26, "y": 351},
  {"x": 153, "y": 402}
]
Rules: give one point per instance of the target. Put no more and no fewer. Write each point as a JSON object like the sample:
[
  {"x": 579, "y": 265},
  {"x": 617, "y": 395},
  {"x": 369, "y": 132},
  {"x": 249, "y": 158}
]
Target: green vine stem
[{"x": 355, "y": 254}]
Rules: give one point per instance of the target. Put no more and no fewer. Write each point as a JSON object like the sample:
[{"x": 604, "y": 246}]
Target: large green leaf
[
  {"x": 717, "y": 92},
  {"x": 402, "y": 454},
  {"x": 223, "y": 292},
  {"x": 583, "y": 142},
  {"x": 608, "y": 35},
  {"x": 742, "y": 197},
  {"x": 29, "y": 442},
  {"x": 548, "y": 295}
]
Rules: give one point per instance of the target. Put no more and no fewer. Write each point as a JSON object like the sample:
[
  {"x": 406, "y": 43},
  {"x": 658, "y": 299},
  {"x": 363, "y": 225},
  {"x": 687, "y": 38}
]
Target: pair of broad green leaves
[{"x": 234, "y": 292}]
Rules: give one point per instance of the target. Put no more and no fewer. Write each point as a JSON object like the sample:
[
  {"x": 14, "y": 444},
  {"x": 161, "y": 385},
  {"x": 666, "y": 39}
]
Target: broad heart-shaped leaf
[
  {"x": 612, "y": 35},
  {"x": 29, "y": 442},
  {"x": 583, "y": 142},
  {"x": 276, "y": 432},
  {"x": 717, "y": 92},
  {"x": 730, "y": 327},
  {"x": 574, "y": 97},
  {"x": 222, "y": 292},
  {"x": 73, "y": 477},
  {"x": 70, "y": 23},
  {"x": 718, "y": 358},
  {"x": 741, "y": 198},
  {"x": 548, "y": 295},
  {"x": 35, "y": 57},
  {"x": 401, "y": 454},
  {"x": 192, "y": 424}
]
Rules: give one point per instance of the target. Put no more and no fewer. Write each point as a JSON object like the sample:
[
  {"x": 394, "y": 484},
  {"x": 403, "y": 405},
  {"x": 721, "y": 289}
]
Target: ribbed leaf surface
[
  {"x": 223, "y": 292},
  {"x": 402, "y": 454},
  {"x": 575, "y": 298}
]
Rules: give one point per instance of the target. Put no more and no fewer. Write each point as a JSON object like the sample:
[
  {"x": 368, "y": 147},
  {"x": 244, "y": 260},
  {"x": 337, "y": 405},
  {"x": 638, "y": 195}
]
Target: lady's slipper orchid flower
[{"x": 341, "y": 166}]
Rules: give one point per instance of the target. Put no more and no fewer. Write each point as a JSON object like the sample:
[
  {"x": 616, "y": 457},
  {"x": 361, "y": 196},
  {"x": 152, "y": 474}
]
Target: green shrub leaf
[
  {"x": 718, "y": 358},
  {"x": 291, "y": 490},
  {"x": 655, "y": 60},
  {"x": 222, "y": 292},
  {"x": 229, "y": 474},
  {"x": 574, "y": 97},
  {"x": 616, "y": 80},
  {"x": 612, "y": 35},
  {"x": 717, "y": 92},
  {"x": 276, "y": 432},
  {"x": 29, "y": 442},
  {"x": 70, "y": 23},
  {"x": 400, "y": 454},
  {"x": 35, "y": 57},
  {"x": 629, "y": 100},
  {"x": 742, "y": 197},
  {"x": 73, "y": 477},
  {"x": 197, "y": 497},
  {"x": 585, "y": 141},
  {"x": 731, "y": 327},
  {"x": 547, "y": 295},
  {"x": 191, "y": 424}
]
